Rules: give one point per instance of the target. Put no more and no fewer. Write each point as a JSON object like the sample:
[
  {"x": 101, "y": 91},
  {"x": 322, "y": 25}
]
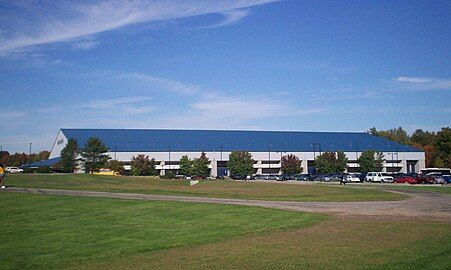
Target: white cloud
[
  {"x": 425, "y": 83},
  {"x": 86, "y": 44},
  {"x": 12, "y": 114},
  {"x": 230, "y": 17},
  {"x": 111, "y": 103},
  {"x": 65, "y": 20}
]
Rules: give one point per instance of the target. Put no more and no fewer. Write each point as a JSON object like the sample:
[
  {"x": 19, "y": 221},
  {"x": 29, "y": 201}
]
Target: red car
[
  {"x": 406, "y": 179},
  {"x": 424, "y": 179}
]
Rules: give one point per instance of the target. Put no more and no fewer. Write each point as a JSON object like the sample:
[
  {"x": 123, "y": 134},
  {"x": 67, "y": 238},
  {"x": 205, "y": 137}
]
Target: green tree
[
  {"x": 116, "y": 166},
  {"x": 370, "y": 161},
  {"x": 397, "y": 134},
  {"x": 152, "y": 165},
  {"x": 140, "y": 165},
  {"x": 331, "y": 162},
  {"x": 423, "y": 138},
  {"x": 291, "y": 164},
  {"x": 443, "y": 147},
  {"x": 240, "y": 163},
  {"x": 94, "y": 155},
  {"x": 200, "y": 166},
  {"x": 324, "y": 163},
  {"x": 69, "y": 154},
  {"x": 186, "y": 166},
  {"x": 379, "y": 161},
  {"x": 342, "y": 162}
]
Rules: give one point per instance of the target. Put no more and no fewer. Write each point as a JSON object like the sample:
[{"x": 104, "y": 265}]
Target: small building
[{"x": 266, "y": 147}]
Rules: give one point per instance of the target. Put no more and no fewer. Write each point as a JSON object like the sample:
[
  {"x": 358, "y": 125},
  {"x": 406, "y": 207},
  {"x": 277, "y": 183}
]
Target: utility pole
[
  {"x": 269, "y": 157},
  {"x": 30, "y": 149}
]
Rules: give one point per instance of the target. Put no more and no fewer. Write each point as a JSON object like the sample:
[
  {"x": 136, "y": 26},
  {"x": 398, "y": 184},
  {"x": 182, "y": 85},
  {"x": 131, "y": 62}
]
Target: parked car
[
  {"x": 323, "y": 178},
  {"x": 439, "y": 180},
  {"x": 13, "y": 170},
  {"x": 106, "y": 171},
  {"x": 406, "y": 180},
  {"x": 302, "y": 177},
  {"x": 285, "y": 177},
  {"x": 447, "y": 178},
  {"x": 335, "y": 177},
  {"x": 424, "y": 179},
  {"x": 274, "y": 177},
  {"x": 351, "y": 178},
  {"x": 378, "y": 177}
]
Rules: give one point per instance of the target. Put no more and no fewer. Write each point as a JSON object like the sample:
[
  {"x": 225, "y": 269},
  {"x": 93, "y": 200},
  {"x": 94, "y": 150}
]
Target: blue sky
[{"x": 261, "y": 65}]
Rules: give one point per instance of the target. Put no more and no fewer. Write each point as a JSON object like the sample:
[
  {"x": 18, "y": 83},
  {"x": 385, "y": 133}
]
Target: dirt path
[{"x": 421, "y": 204}]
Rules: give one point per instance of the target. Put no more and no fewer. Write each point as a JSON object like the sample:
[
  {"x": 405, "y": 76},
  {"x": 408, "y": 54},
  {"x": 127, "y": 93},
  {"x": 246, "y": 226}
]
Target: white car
[
  {"x": 378, "y": 177},
  {"x": 351, "y": 178},
  {"x": 13, "y": 170}
]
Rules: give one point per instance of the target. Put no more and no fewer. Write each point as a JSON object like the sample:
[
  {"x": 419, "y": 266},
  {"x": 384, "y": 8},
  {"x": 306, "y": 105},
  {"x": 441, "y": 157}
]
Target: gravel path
[{"x": 421, "y": 204}]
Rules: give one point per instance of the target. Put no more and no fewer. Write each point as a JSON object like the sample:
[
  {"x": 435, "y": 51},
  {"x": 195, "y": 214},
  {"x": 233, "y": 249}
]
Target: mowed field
[
  {"x": 206, "y": 188},
  {"x": 56, "y": 232}
]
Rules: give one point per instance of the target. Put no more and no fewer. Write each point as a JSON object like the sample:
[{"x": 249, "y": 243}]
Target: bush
[
  {"x": 29, "y": 170},
  {"x": 44, "y": 169},
  {"x": 168, "y": 175}
]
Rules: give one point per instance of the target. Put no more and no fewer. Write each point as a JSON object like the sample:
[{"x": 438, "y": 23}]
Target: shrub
[{"x": 44, "y": 169}]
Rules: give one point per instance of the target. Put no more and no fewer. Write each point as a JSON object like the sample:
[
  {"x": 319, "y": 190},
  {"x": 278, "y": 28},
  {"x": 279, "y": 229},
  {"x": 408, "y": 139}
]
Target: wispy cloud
[
  {"x": 211, "y": 107},
  {"x": 230, "y": 17},
  {"x": 12, "y": 114},
  {"x": 86, "y": 44},
  {"x": 66, "y": 20},
  {"x": 110, "y": 103},
  {"x": 425, "y": 83}
]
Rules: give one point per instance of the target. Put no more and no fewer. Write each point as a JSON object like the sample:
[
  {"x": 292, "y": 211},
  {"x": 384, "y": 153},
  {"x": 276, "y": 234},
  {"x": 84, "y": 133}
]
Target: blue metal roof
[
  {"x": 158, "y": 140},
  {"x": 48, "y": 162}
]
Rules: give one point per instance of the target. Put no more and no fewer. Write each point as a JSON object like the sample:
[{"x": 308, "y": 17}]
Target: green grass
[
  {"x": 52, "y": 232},
  {"x": 351, "y": 243},
  {"x": 206, "y": 188}
]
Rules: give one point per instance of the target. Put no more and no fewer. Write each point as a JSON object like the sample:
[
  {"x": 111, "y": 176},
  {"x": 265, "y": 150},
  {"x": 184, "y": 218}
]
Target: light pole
[
  {"x": 115, "y": 150},
  {"x": 269, "y": 157},
  {"x": 30, "y": 149},
  {"x": 169, "y": 165}
]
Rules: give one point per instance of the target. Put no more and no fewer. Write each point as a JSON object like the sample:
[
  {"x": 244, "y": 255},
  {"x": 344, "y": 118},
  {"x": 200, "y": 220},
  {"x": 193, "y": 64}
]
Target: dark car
[
  {"x": 285, "y": 177},
  {"x": 447, "y": 178},
  {"x": 425, "y": 179}
]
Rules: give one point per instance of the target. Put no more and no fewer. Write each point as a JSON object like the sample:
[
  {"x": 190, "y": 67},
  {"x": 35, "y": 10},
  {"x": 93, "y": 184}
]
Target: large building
[{"x": 266, "y": 147}]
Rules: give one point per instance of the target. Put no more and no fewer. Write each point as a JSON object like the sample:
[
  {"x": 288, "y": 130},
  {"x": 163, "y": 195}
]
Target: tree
[
  {"x": 116, "y": 166},
  {"x": 240, "y": 163},
  {"x": 152, "y": 165},
  {"x": 379, "y": 161},
  {"x": 324, "y": 163},
  {"x": 397, "y": 134},
  {"x": 68, "y": 161},
  {"x": 443, "y": 147},
  {"x": 370, "y": 161},
  {"x": 331, "y": 162},
  {"x": 4, "y": 158},
  {"x": 342, "y": 162},
  {"x": 423, "y": 138},
  {"x": 291, "y": 164},
  {"x": 93, "y": 155},
  {"x": 200, "y": 165},
  {"x": 140, "y": 165},
  {"x": 186, "y": 166}
]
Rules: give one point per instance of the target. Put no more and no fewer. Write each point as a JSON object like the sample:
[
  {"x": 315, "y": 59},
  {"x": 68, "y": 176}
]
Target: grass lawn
[
  {"x": 350, "y": 243},
  {"x": 52, "y": 232},
  {"x": 206, "y": 188},
  {"x": 58, "y": 232}
]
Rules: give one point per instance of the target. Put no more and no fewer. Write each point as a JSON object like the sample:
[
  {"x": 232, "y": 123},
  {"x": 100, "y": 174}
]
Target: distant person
[
  {"x": 343, "y": 180},
  {"x": 2, "y": 176}
]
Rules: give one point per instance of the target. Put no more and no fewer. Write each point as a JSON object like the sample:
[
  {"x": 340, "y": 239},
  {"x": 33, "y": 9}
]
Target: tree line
[
  {"x": 19, "y": 159},
  {"x": 436, "y": 145}
]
